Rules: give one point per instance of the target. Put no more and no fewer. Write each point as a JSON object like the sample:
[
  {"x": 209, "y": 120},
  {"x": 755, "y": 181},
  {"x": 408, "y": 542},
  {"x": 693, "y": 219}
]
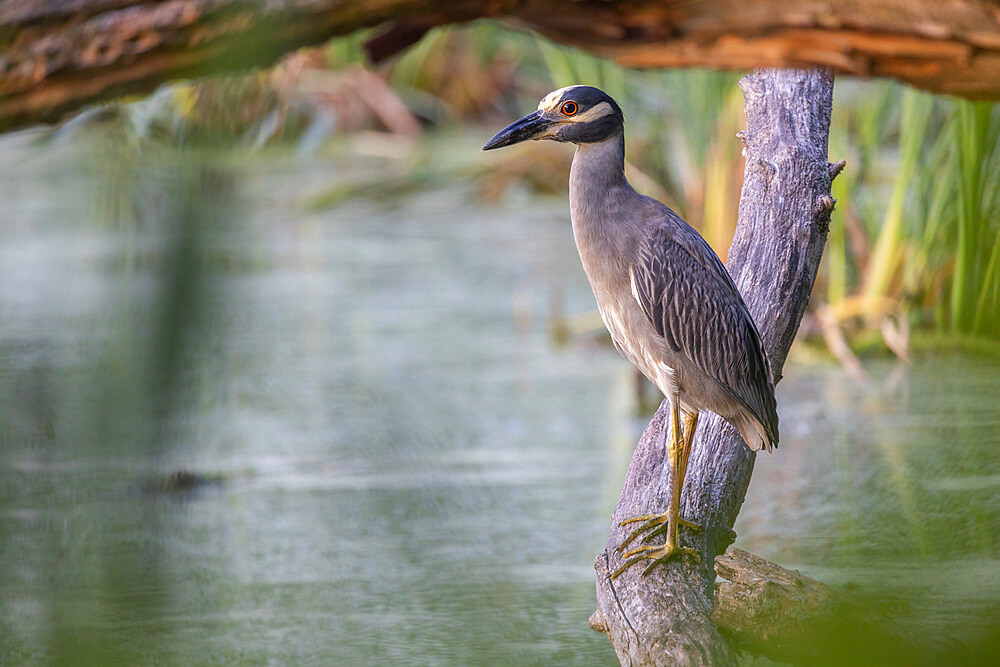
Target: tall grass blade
[
  {"x": 886, "y": 256},
  {"x": 971, "y": 131}
]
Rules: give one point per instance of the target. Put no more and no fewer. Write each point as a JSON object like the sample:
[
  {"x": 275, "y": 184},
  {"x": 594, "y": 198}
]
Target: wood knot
[
  {"x": 723, "y": 541},
  {"x": 834, "y": 168},
  {"x": 597, "y": 622},
  {"x": 768, "y": 168},
  {"x": 826, "y": 205}
]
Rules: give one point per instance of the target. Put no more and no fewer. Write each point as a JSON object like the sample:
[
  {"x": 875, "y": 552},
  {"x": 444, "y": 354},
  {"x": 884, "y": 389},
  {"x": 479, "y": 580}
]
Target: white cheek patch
[{"x": 600, "y": 111}]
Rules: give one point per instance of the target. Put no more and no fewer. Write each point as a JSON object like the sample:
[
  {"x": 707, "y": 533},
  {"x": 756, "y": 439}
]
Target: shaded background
[{"x": 291, "y": 372}]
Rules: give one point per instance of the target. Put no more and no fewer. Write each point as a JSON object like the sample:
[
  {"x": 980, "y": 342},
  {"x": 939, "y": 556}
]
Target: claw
[
  {"x": 650, "y": 522},
  {"x": 659, "y": 531},
  {"x": 659, "y": 518},
  {"x": 659, "y": 554},
  {"x": 626, "y": 565},
  {"x": 639, "y": 550},
  {"x": 628, "y": 540},
  {"x": 641, "y": 517}
]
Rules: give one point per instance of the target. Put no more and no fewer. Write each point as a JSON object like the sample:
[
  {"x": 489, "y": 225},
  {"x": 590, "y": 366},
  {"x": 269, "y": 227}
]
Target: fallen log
[
  {"x": 770, "y": 610},
  {"x": 58, "y": 55},
  {"x": 762, "y": 608}
]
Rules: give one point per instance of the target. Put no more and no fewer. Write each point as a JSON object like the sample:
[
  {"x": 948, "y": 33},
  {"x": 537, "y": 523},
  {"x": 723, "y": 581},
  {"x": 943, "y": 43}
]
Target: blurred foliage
[
  {"x": 201, "y": 348},
  {"x": 915, "y": 239}
]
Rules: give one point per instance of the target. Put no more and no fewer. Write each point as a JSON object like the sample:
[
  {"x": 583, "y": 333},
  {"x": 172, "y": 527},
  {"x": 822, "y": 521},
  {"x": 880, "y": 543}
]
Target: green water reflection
[{"x": 399, "y": 466}]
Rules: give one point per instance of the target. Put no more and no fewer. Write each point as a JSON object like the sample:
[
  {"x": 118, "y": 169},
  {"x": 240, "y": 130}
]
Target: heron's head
[{"x": 579, "y": 114}]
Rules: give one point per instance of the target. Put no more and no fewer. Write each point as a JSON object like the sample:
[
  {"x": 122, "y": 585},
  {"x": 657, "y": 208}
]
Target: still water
[{"x": 237, "y": 429}]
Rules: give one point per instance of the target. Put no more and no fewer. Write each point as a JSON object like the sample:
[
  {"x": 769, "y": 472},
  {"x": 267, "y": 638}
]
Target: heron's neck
[
  {"x": 598, "y": 200},
  {"x": 597, "y": 184},
  {"x": 598, "y": 167}
]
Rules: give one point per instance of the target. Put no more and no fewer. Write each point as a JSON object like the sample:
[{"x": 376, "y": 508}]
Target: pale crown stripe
[{"x": 549, "y": 102}]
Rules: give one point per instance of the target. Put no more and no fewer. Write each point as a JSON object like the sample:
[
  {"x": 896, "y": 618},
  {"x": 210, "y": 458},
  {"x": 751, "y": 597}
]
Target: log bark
[
  {"x": 785, "y": 206},
  {"x": 58, "y": 55},
  {"x": 782, "y": 614}
]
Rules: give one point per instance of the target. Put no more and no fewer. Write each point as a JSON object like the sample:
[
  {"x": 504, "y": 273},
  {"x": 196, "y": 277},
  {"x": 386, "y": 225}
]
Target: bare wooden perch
[
  {"x": 57, "y": 55},
  {"x": 790, "y": 617},
  {"x": 666, "y": 618},
  {"x": 782, "y": 614}
]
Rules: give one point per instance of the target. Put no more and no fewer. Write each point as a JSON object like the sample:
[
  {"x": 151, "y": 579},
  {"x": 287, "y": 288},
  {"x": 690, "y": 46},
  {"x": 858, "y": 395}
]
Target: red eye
[{"x": 570, "y": 108}]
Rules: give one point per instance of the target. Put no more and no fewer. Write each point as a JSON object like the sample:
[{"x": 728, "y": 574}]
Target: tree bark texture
[
  {"x": 769, "y": 610},
  {"x": 57, "y": 55},
  {"x": 789, "y": 617},
  {"x": 665, "y": 618}
]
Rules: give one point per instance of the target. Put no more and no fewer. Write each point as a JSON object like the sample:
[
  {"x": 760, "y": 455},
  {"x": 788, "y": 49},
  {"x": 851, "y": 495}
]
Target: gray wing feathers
[{"x": 691, "y": 301}]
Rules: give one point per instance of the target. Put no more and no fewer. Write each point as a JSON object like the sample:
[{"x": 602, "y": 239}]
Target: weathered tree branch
[
  {"x": 58, "y": 55},
  {"x": 783, "y": 614},
  {"x": 766, "y": 609},
  {"x": 665, "y": 618}
]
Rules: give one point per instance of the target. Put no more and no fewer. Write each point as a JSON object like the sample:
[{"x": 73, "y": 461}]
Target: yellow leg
[
  {"x": 678, "y": 448},
  {"x": 676, "y": 481},
  {"x": 690, "y": 426},
  {"x": 656, "y": 524}
]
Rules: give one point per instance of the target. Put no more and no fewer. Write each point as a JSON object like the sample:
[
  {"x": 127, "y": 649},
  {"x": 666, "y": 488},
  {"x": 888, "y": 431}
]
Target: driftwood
[
  {"x": 783, "y": 614},
  {"x": 769, "y": 610},
  {"x": 766, "y": 609},
  {"x": 58, "y": 55},
  {"x": 665, "y": 618}
]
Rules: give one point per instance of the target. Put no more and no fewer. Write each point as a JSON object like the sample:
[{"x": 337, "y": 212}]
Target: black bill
[{"x": 520, "y": 130}]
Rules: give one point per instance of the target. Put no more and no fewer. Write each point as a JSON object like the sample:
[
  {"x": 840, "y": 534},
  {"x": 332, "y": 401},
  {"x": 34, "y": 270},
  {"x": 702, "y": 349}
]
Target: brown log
[
  {"x": 665, "y": 618},
  {"x": 782, "y": 614},
  {"x": 58, "y": 55}
]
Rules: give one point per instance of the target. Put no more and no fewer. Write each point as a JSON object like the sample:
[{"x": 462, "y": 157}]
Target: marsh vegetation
[{"x": 282, "y": 384}]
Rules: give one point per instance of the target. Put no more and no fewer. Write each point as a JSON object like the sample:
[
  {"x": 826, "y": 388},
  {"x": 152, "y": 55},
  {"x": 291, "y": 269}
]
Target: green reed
[
  {"x": 917, "y": 226},
  {"x": 975, "y": 288}
]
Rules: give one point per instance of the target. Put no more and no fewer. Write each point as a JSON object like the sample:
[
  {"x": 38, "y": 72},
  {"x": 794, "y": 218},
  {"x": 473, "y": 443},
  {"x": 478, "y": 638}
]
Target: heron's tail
[{"x": 753, "y": 433}]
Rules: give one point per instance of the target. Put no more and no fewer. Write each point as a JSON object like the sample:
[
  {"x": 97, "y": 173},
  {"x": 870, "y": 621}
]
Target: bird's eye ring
[{"x": 570, "y": 108}]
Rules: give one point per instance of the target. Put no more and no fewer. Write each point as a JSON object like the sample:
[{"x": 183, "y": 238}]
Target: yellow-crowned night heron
[{"x": 671, "y": 307}]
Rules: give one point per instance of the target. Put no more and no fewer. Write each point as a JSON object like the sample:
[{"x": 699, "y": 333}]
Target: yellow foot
[
  {"x": 658, "y": 555},
  {"x": 657, "y": 523}
]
